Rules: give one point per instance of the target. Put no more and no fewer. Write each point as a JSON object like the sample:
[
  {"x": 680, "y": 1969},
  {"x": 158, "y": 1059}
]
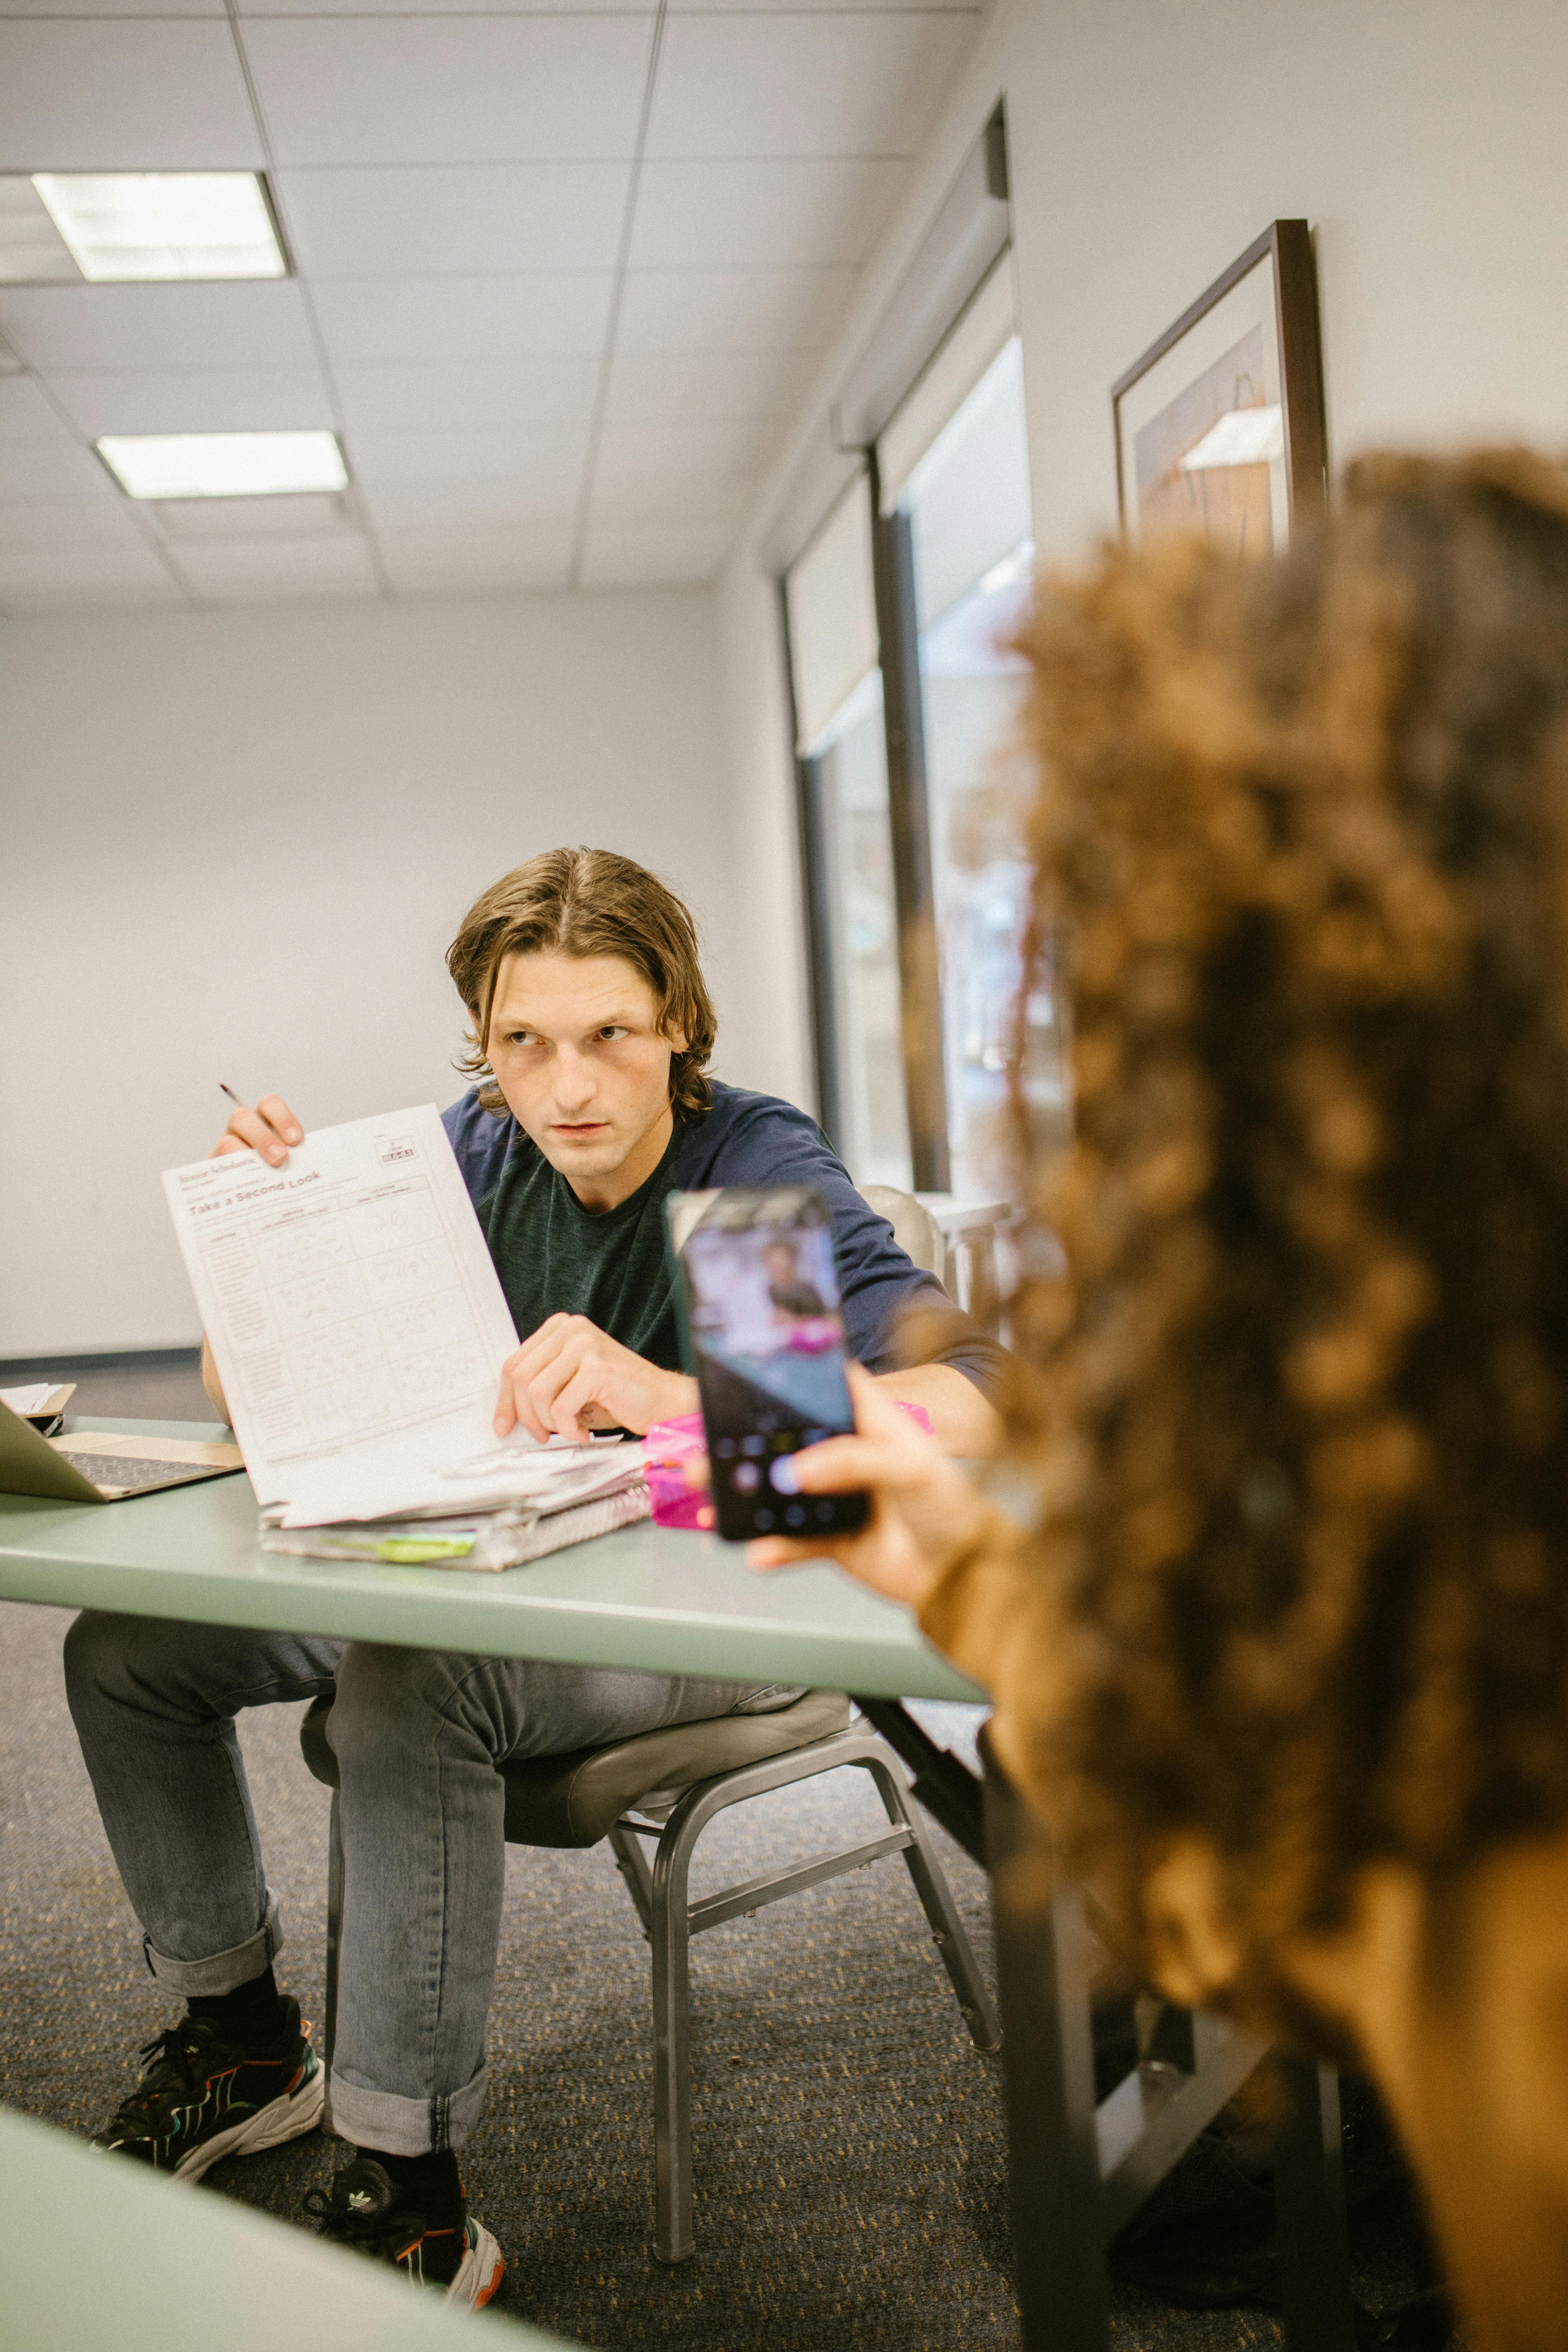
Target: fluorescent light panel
[
  {"x": 143, "y": 225},
  {"x": 224, "y": 465}
]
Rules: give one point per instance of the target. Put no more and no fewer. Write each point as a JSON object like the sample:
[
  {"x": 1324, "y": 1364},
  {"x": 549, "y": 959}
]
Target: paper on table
[
  {"x": 355, "y": 1315},
  {"x": 26, "y": 1401}
]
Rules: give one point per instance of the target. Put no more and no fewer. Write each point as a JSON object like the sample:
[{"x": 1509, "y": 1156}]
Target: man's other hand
[
  {"x": 571, "y": 1377},
  {"x": 269, "y": 1130}
]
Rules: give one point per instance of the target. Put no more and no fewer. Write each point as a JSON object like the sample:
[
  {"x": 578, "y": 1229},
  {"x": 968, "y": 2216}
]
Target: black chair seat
[{"x": 575, "y": 1800}]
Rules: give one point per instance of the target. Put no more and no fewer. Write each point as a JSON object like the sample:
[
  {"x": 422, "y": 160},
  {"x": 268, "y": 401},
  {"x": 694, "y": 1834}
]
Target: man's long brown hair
[
  {"x": 1298, "y": 1413},
  {"x": 589, "y": 902}
]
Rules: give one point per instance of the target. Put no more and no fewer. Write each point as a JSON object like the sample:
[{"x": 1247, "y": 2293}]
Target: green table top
[
  {"x": 96, "y": 2251},
  {"x": 655, "y": 1598}
]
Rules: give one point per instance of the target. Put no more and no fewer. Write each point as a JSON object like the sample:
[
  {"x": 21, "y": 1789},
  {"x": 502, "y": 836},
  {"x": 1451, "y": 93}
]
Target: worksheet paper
[{"x": 357, "y": 1322}]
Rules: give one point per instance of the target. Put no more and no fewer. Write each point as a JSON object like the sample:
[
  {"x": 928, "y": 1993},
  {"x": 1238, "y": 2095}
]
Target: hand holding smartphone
[{"x": 760, "y": 1298}]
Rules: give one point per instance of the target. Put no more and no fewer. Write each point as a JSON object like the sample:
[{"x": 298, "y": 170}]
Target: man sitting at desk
[{"x": 591, "y": 1031}]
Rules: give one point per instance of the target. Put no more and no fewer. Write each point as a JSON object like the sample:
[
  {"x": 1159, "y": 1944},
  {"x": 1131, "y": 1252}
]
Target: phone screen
[{"x": 762, "y": 1301}]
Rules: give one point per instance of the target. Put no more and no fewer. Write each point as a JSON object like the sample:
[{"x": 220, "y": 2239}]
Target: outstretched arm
[
  {"x": 926, "y": 1515},
  {"x": 962, "y": 1421}
]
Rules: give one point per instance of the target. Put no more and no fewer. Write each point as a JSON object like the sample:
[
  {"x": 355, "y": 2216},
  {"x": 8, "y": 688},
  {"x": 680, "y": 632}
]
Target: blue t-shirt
[{"x": 554, "y": 1258}]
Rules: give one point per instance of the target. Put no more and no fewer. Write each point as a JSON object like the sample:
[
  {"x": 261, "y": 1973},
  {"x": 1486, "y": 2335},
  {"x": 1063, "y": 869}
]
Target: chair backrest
[{"x": 915, "y": 1230}]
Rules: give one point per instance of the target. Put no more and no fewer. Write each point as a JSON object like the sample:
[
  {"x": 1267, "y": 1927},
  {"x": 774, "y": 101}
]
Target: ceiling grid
[
  {"x": 352, "y": 500},
  {"x": 561, "y": 274}
]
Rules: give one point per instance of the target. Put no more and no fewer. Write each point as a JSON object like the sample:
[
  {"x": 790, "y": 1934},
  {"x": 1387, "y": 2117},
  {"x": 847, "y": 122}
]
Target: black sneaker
[
  {"x": 205, "y": 2096},
  {"x": 368, "y": 2211}
]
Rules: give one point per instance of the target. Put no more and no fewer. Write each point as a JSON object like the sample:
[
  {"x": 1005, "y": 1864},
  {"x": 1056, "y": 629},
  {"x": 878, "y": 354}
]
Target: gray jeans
[{"x": 419, "y": 1735}]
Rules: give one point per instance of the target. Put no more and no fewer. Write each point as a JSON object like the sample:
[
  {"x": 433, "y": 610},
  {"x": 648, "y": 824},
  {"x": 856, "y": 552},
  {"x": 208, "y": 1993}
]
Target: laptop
[{"x": 103, "y": 1465}]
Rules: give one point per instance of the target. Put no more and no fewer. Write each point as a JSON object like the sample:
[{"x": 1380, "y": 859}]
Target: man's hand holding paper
[{"x": 570, "y": 1378}]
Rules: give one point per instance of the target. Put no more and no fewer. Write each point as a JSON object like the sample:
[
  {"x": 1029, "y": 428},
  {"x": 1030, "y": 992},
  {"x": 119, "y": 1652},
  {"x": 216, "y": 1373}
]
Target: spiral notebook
[{"x": 505, "y": 1538}]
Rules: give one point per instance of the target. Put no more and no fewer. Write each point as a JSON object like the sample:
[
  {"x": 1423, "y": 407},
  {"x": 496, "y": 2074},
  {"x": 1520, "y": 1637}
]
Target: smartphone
[{"x": 760, "y": 1303}]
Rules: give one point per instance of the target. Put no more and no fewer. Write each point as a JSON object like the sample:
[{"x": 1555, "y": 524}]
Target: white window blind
[
  {"x": 982, "y": 329},
  {"x": 832, "y": 606},
  {"x": 968, "y": 498}
]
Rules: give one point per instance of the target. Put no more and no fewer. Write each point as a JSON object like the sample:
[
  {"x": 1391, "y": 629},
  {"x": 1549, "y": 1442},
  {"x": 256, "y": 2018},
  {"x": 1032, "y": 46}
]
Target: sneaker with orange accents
[
  {"x": 368, "y": 2211},
  {"x": 205, "y": 2095}
]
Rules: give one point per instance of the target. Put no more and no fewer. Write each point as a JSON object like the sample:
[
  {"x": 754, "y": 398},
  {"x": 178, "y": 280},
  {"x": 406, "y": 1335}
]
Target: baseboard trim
[{"x": 14, "y": 1370}]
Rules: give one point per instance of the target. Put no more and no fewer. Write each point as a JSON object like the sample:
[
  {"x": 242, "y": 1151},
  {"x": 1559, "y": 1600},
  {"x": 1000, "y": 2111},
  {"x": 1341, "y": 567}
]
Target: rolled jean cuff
[
  {"x": 222, "y": 1971},
  {"x": 399, "y": 2126}
]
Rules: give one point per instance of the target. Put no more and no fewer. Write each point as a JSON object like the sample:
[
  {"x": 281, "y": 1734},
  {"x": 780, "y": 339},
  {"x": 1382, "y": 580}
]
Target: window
[
  {"x": 831, "y": 607},
  {"x": 967, "y": 498},
  {"x": 914, "y": 782},
  {"x": 848, "y": 783}
]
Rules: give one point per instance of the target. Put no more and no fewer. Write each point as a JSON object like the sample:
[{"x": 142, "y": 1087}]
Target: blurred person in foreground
[{"x": 1283, "y": 1661}]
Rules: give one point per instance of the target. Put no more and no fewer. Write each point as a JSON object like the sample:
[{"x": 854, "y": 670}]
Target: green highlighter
[{"x": 408, "y": 1552}]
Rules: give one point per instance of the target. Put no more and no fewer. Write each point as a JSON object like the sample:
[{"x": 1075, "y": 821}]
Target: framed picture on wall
[{"x": 1219, "y": 425}]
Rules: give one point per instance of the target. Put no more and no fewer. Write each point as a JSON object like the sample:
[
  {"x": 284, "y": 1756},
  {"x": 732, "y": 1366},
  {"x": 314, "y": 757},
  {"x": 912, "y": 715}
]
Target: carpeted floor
[
  {"x": 850, "y": 2159},
  {"x": 849, "y": 2154}
]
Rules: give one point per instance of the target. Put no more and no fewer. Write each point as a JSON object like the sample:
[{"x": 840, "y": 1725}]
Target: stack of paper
[
  {"x": 579, "y": 1499},
  {"x": 359, "y": 1329}
]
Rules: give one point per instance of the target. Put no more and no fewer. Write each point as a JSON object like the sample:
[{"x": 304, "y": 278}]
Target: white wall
[
  {"x": 236, "y": 845},
  {"x": 1150, "y": 142}
]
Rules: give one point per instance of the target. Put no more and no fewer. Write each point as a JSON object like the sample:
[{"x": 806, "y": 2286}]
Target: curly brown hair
[
  {"x": 589, "y": 902},
  {"x": 1298, "y": 1410}
]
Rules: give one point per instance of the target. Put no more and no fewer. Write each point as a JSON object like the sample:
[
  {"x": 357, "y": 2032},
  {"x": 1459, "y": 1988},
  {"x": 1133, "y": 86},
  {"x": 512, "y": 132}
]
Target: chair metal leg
[
  {"x": 945, "y": 1786},
  {"x": 673, "y": 1920},
  {"x": 334, "y": 1945},
  {"x": 632, "y": 1863},
  {"x": 673, "y": 2238},
  {"x": 936, "y": 1901}
]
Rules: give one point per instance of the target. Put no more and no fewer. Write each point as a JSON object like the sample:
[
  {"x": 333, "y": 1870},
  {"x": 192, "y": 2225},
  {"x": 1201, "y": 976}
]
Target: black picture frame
[{"x": 1292, "y": 356}]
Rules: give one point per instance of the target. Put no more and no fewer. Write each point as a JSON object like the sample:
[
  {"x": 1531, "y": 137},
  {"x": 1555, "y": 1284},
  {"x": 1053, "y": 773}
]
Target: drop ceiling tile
[
  {"x": 453, "y": 90},
  {"x": 678, "y": 387},
  {"x": 803, "y": 85},
  {"x": 122, "y": 95},
  {"x": 542, "y": 312},
  {"x": 450, "y": 395},
  {"x": 104, "y": 521},
  {"x": 732, "y": 310},
  {"x": 437, "y": 561},
  {"x": 688, "y": 500},
  {"x": 83, "y": 574},
  {"x": 54, "y": 605},
  {"x": 758, "y": 212},
  {"x": 633, "y": 484},
  {"x": 52, "y": 469},
  {"x": 544, "y": 458},
  {"x": 297, "y": 514},
  {"x": 507, "y": 502},
  {"x": 110, "y": 8},
  {"x": 649, "y": 555},
  {"x": 198, "y": 400},
  {"x": 720, "y": 447},
  {"x": 85, "y": 329},
  {"x": 270, "y": 570},
  {"x": 796, "y": 8},
  {"x": 452, "y": 7},
  {"x": 463, "y": 218},
  {"x": 26, "y": 414}
]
